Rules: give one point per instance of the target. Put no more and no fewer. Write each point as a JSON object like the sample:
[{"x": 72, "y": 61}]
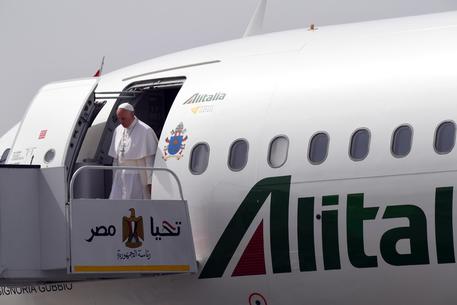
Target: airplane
[{"x": 318, "y": 166}]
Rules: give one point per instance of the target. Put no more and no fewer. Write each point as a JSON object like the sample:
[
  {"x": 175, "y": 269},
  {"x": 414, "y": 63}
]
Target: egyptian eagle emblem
[
  {"x": 132, "y": 230},
  {"x": 176, "y": 143}
]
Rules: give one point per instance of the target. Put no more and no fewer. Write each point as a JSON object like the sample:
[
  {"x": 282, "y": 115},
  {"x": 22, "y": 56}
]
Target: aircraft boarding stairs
[{"x": 46, "y": 236}]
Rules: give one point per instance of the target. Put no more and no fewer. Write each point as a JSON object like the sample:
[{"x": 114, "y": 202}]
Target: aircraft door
[{"x": 55, "y": 124}]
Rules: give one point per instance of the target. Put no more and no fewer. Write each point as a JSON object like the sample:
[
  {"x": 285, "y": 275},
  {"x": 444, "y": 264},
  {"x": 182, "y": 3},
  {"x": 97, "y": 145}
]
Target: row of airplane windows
[{"x": 318, "y": 147}]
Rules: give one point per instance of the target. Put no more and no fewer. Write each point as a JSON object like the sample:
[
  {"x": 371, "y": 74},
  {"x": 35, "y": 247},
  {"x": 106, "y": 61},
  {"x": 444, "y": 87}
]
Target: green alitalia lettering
[
  {"x": 330, "y": 240},
  {"x": 330, "y": 200},
  {"x": 356, "y": 215},
  {"x": 305, "y": 233},
  {"x": 276, "y": 187},
  {"x": 443, "y": 225},
  {"x": 357, "y": 218},
  {"x": 416, "y": 233}
]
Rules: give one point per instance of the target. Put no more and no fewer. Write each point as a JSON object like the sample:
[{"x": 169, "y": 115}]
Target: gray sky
[{"x": 49, "y": 40}]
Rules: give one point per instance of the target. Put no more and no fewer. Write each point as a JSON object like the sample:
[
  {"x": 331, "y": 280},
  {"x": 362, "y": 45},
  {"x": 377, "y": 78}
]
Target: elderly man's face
[{"x": 125, "y": 117}]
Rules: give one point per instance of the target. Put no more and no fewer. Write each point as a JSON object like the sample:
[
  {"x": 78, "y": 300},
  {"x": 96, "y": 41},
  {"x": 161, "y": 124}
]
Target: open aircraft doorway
[{"x": 152, "y": 100}]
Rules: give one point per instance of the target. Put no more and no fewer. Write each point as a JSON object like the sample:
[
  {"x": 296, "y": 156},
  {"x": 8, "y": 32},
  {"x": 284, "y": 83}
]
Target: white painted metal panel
[
  {"x": 52, "y": 198},
  {"x": 19, "y": 221},
  {"x": 50, "y": 121}
]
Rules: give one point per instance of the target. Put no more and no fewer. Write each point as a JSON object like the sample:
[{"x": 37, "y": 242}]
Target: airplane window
[
  {"x": 360, "y": 144},
  {"x": 199, "y": 158},
  {"x": 238, "y": 156},
  {"x": 318, "y": 148},
  {"x": 4, "y": 156},
  {"x": 402, "y": 141},
  {"x": 445, "y": 138},
  {"x": 277, "y": 153}
]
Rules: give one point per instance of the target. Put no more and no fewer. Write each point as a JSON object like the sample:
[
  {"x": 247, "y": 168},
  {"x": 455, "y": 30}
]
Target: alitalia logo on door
[
  {"x": 201, "y": 98},
  {"x": 358, "y": 217}
]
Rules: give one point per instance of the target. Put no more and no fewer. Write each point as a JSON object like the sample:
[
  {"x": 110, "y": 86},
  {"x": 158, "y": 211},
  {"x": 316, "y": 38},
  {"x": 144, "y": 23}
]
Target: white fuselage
[{"x": 394, "y": 246}]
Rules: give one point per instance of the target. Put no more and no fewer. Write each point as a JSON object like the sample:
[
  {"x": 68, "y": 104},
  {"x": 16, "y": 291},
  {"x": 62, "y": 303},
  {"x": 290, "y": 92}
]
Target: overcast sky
[{"x": 48, "y": 40}]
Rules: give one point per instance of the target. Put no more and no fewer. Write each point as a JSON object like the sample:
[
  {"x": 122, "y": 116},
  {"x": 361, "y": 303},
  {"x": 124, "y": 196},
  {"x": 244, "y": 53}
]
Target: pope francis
[{"x": 133, "y": 144}]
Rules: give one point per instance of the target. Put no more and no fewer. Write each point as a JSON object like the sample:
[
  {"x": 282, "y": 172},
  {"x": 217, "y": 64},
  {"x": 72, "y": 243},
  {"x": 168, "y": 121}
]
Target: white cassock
[{"x": 132, "y": 146}]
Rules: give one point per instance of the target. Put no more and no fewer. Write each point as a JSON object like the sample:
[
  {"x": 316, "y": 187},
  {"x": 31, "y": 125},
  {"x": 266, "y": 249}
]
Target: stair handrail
[{"x": 111, "y": 167}]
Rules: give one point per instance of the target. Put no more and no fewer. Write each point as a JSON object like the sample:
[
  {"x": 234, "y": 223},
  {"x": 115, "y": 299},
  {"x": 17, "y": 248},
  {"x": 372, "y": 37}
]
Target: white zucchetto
[{"x": 126, "y": 106}]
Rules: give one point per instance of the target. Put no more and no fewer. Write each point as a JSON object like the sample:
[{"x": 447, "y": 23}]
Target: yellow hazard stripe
[{"x": 162, "y": 268}]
